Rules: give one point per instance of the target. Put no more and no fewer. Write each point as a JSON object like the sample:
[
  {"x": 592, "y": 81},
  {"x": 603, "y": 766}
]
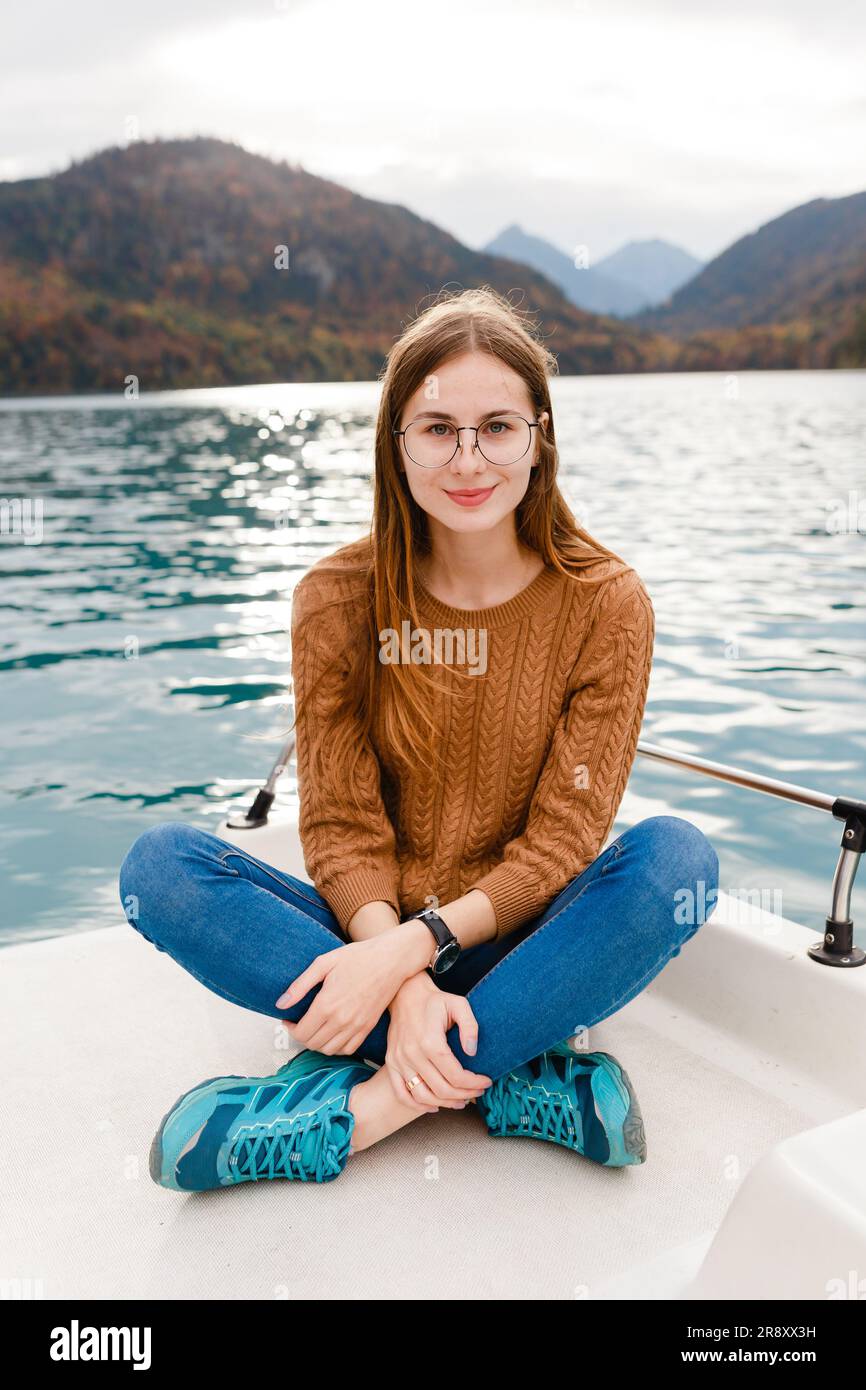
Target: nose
[{"x": 468, "y": 457}]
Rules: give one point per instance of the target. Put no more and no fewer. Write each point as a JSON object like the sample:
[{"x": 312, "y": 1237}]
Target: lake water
[{"x": 145, "y": 634}]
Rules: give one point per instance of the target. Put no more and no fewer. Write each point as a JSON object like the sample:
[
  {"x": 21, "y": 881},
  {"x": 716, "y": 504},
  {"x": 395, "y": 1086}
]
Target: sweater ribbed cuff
[
  {"x": 359, "y": 886},
  {"x": 514, "y": 901}
]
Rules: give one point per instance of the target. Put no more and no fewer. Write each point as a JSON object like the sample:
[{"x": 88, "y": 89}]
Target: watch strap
[{"x": 439, "y": 929}]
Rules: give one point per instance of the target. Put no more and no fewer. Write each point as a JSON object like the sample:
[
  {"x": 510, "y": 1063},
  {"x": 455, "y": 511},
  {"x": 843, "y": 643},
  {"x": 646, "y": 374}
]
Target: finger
[
  {"x": 423, "y": 1095},
  {"x": 440, "y": 1087},
  {"x": 467, "y": 1026},
  {"x": 323, "y": 1038},
  {"x": 462, "y": 1083},
  {"x": 355, "y": 1043},
  {"x": 402, "y": 1093},
  {"x": 314, "y": 973},
  {"x": 344, "y": 1044},
  {"x": 311, "y": 1023},
  {"x": 333, "y": 1036}
]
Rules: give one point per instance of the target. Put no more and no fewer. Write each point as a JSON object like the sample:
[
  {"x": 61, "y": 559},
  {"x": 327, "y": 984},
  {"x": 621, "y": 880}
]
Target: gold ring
[{"x": 413, "y": 1081}]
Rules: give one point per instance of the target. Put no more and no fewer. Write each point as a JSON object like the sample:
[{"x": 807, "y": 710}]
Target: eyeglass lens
[{"x": 502, "y": 440}]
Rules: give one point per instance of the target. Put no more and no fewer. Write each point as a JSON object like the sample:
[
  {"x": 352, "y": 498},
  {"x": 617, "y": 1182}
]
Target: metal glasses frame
[{"x": 531, "y": 424}]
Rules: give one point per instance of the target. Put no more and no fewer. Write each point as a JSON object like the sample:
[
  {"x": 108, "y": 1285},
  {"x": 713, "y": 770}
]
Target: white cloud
[{"x": 585, "y": 121}]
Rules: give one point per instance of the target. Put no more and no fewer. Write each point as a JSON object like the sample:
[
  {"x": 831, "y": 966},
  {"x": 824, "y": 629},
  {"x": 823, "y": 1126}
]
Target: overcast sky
[{"x": 589, "y": 122}]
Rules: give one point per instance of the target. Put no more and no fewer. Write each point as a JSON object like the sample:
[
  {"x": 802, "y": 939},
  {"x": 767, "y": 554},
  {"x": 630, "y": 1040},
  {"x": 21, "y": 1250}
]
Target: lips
[{"x": 470, "y": 497}]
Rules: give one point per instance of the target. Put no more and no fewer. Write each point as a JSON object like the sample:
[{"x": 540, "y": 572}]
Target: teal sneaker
[
  {"x": 581, "y": 1100},
  {"x": 233, "y": 1129}
]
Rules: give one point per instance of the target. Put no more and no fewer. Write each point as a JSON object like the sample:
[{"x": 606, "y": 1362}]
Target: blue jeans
[{"x": 246, "y": 930}]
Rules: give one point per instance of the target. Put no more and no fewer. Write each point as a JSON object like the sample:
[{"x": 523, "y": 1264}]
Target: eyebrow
[{"x": 443, "y": 414}]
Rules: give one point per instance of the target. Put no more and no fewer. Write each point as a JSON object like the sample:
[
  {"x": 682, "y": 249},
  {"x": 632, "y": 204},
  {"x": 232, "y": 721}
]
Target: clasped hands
[{"x": 387, "y": 971}]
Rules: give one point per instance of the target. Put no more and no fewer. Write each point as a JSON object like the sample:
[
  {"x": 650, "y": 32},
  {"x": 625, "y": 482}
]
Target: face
[{"x": 465, "y": 391}]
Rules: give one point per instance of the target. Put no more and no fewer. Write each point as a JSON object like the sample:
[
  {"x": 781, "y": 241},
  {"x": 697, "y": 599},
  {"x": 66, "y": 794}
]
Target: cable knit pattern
[{"x": 538, "y": 750}]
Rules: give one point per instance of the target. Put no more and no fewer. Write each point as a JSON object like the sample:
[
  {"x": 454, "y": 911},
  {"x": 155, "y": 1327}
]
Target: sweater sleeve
[
  {"x": 584, "y": 775},
  {"x": 349, "y": 855}
]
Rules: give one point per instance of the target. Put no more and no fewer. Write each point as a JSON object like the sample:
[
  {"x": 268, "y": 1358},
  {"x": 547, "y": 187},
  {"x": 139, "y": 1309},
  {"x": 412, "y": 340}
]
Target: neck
[{"x": 468, "y": 571}]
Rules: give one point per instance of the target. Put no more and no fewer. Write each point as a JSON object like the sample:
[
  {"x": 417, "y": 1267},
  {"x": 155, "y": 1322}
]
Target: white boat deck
[{"x": 101, "y": 1033}]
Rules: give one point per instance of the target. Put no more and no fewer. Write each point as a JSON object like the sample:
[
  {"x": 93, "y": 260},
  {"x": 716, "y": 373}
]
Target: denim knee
[
  {"x": 150, "y": 866},
  {"x": 684, "y": 868},
  {"x": 690, "y": 873},
  {"x": 680, "y": 846}
]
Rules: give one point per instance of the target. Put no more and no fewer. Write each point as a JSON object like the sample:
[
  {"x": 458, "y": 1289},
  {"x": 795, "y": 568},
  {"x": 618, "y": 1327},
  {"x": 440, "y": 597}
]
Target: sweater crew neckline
[{"x": 526, "y": 600}]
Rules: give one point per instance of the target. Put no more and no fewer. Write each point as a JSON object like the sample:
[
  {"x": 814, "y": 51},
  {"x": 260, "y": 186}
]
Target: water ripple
[{"x": 144, "y": 642}]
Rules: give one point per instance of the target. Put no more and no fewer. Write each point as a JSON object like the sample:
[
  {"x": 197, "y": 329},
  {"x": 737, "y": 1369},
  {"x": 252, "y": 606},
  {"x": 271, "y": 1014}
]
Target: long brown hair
[{"x": 455, "y": 323}]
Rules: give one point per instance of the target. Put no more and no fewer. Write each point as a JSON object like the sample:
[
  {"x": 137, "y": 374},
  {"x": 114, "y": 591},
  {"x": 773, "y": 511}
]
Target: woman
[{"x": 470, "y": 680}]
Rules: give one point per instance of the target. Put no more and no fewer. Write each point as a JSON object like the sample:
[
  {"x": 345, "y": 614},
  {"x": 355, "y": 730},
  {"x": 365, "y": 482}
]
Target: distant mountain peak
[{"x": 640, "y": 274}]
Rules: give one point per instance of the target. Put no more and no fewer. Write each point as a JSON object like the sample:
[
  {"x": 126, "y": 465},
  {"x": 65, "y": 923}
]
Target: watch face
[{"x": 446, "y": 957}]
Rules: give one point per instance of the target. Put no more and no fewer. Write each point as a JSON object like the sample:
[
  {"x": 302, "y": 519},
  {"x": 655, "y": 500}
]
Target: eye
[
  {"x": 498, "y": 427},
  {"x": 438, "y": 425}
]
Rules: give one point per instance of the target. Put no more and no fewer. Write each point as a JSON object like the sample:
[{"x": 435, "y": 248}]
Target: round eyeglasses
[{"x": 503, "y": 440}]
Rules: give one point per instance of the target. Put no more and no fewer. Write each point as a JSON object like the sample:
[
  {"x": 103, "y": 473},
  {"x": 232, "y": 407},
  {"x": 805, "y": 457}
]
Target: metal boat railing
[{"x": 837, "y": 947}]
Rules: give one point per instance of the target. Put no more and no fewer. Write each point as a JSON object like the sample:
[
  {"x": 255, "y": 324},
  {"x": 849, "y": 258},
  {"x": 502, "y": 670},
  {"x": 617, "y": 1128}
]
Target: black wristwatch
[{"x": 448, "y": 947}]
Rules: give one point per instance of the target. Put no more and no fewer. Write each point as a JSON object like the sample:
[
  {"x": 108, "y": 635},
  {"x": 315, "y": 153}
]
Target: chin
[{"x": 471, "y": 519}]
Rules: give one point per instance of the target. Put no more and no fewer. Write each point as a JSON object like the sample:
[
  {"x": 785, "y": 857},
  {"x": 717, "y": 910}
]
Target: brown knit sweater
[{"x": 538, "y": 754}]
